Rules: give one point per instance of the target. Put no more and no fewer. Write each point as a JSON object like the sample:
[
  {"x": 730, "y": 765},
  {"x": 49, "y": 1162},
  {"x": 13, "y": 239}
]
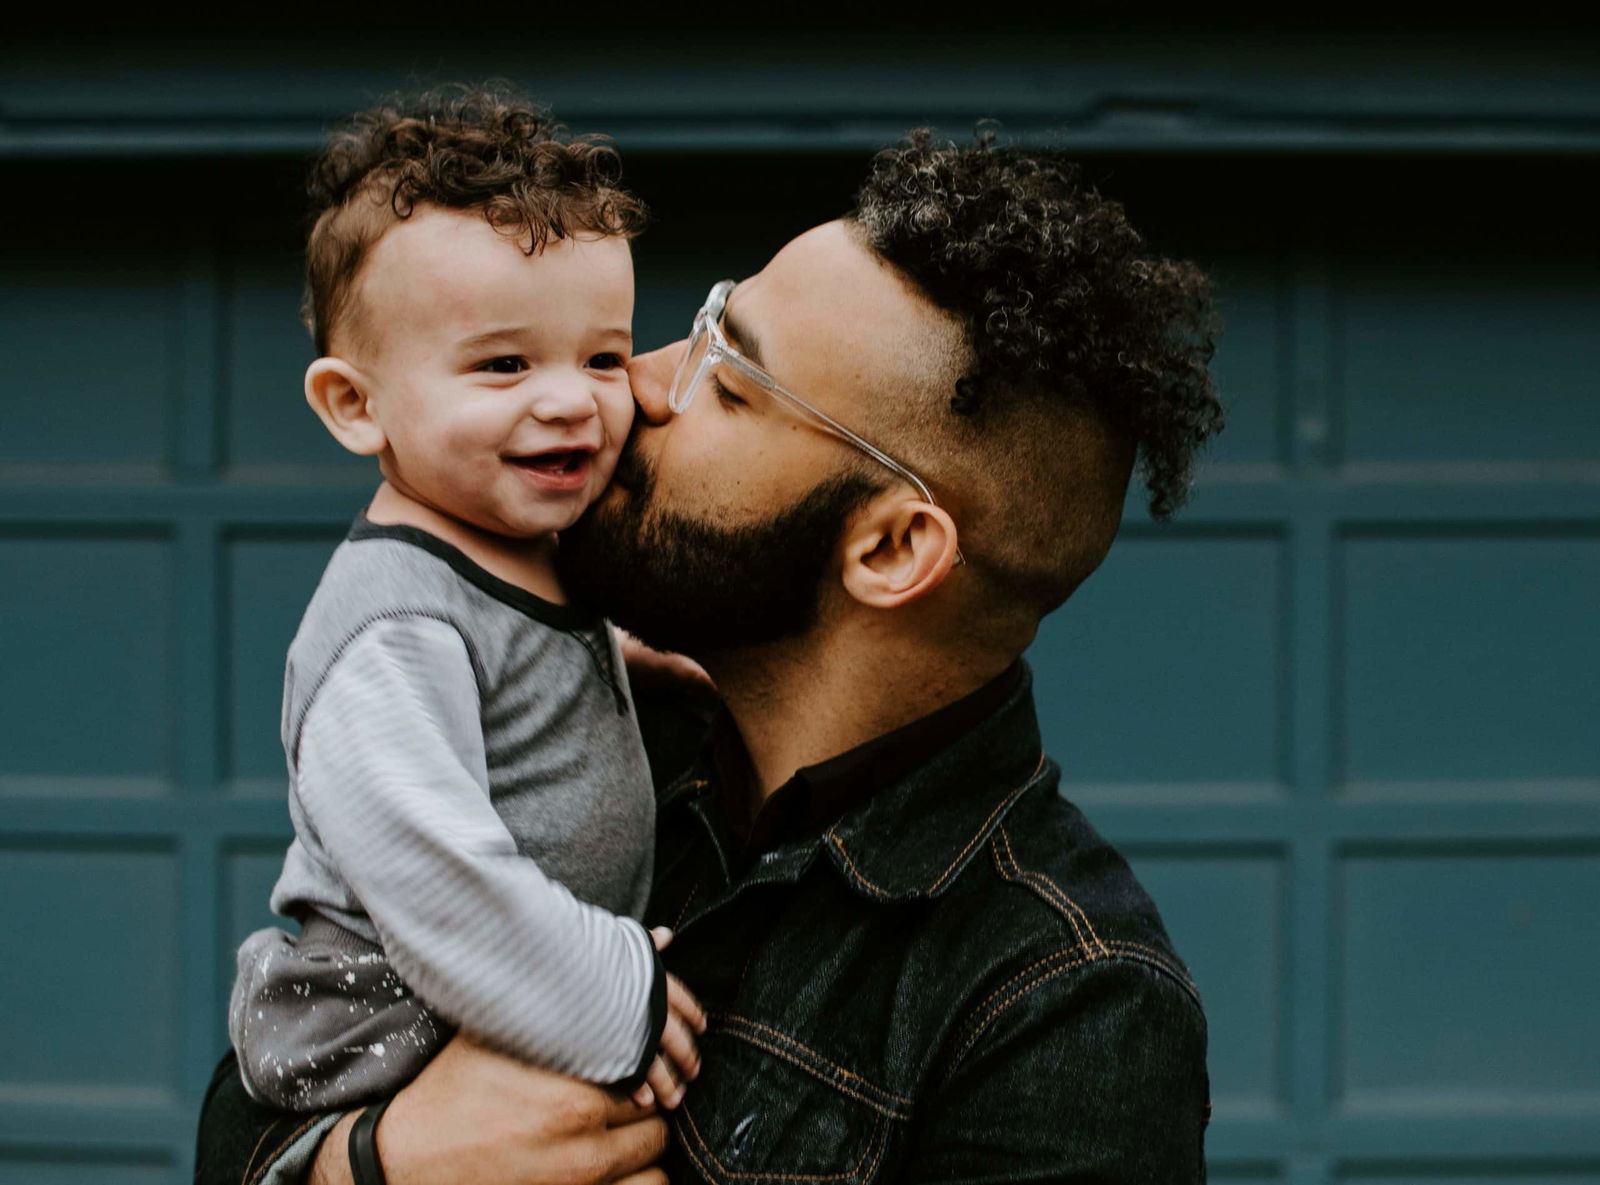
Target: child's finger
[
  {"x": 668, "y": 1090},
  {"x": 644, "y": 1096},
  {"x": 678, "y": 1046},
  {"x": 660, "y": 935},
  {"x": 681, "y": 1000}
]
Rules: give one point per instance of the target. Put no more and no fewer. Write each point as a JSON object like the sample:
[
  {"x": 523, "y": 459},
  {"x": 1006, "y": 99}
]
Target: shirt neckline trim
[{"x": 567, "y": 618}]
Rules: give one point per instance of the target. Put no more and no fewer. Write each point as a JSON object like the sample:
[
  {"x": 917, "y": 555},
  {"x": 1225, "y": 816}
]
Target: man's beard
[{"x": 697, "y": 588}]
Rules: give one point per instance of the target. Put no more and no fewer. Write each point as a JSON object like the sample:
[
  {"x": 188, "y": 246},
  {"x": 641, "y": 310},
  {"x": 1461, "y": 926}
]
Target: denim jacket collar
[{"x": 912, "y": 837}]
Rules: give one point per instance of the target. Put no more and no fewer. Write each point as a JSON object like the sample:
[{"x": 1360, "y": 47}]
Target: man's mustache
[{"x": 632, "y": 472}]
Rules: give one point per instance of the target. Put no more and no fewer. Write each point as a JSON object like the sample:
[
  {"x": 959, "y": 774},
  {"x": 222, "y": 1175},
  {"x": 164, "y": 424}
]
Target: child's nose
[{"x": 564, "y": 400}]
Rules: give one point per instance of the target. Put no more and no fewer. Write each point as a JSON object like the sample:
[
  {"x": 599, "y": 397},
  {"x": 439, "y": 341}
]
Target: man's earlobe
[
  {"x": 339, "y": 394},
  {"x": 899, "y": 554}
]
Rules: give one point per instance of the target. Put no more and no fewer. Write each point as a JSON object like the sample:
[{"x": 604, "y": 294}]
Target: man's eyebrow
[{"x": 739, "y": 334}]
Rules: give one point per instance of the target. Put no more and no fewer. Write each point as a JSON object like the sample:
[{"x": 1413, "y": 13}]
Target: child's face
[{"x": 498, "y": 377}]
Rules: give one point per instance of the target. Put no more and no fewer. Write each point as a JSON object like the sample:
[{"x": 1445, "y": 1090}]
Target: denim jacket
[{"x": 957, "y": 980}]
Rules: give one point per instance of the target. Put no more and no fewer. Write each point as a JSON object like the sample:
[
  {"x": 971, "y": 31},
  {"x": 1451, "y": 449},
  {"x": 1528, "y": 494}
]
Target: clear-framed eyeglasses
[{"x": 709, "y": 348}]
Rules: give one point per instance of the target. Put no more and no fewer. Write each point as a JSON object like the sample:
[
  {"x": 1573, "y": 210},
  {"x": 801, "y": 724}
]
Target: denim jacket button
[{"x": 739, "y": 1138}]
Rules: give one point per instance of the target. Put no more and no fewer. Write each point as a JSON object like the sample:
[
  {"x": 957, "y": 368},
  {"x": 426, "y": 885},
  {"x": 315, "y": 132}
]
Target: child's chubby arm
[{"x": 392, "y": 778}]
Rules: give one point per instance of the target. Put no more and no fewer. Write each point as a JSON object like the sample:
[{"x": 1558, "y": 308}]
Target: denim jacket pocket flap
[{"x": 758, "y": 1114}]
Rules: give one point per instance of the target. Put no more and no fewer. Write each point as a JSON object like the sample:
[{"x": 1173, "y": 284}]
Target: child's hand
[
  {"x": 648, "y": 667},
  {"x": 677, "y": 1062}
]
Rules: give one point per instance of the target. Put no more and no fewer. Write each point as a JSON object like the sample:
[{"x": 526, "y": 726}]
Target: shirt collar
[
  {"x": 900, "y": 814},
  {"x": 819, "y": 795}
]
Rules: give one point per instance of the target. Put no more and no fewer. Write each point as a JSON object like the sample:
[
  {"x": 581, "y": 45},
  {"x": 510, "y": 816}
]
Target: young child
[{"x": 472, "y": 809}]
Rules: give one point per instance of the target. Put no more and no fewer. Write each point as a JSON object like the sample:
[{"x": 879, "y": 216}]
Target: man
[{"x": 853, "y": 493}]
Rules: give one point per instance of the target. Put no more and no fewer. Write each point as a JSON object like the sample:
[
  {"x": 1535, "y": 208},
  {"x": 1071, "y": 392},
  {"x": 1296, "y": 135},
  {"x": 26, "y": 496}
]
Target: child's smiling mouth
[{"x": 556, "y": 469}]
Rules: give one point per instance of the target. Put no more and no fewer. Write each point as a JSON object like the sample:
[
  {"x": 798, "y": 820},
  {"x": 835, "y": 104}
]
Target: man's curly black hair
[
  {"x": 476, "y": 148},
  {"x": 1056, "y": 292}
]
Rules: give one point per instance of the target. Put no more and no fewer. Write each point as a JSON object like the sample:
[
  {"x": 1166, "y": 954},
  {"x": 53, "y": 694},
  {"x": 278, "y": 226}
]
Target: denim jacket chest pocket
[{"x": 767, "y": 1108}]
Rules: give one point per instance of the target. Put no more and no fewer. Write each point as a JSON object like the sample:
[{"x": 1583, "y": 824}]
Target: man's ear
[
  {"x": 898, "y": 551},
  {"x": 340, "y": 395}
]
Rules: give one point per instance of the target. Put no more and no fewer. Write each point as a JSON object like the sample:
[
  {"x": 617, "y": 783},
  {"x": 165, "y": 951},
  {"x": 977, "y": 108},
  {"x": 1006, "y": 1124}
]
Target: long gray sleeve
[{"x": 392, "y": 778}]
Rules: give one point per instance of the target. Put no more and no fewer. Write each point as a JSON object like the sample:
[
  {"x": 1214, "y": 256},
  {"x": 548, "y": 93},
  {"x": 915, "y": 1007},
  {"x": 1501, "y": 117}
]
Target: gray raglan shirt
[{"x": 469, "y": 790}]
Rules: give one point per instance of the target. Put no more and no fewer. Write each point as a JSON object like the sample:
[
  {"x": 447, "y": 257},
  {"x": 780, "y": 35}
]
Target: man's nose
[{"x": 651, "y": 376}]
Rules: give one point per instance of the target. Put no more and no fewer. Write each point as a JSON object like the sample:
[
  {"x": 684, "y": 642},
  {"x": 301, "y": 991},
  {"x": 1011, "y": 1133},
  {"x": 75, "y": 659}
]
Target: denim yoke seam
[
  {"x": 1131, "y": 951},
  {"x": 1051, "y": 893},
  {"x": 987, "y": 1013},
  {"x": 994, "y": 1013},
  {"x": 255, "y": 1178},
  {"x": 954, "y": 865},
  {"x": 895, "y": 1106},
  {"x": 875, "y": 1147}
]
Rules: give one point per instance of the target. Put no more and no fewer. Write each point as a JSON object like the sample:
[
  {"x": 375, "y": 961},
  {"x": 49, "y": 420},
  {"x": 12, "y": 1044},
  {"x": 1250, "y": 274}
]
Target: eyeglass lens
[{"x": 688, "y": 376}]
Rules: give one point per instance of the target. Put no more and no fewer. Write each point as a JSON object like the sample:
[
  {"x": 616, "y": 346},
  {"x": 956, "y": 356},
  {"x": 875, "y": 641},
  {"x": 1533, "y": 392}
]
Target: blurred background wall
[{"x": 1341, "y": 714}]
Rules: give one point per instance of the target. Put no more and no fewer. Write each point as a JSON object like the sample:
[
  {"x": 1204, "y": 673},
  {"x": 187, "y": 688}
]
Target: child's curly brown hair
[{"x": 482, "y": 148}]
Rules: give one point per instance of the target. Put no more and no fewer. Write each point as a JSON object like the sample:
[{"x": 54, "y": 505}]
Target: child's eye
[
  {"x": 606, "y": 362},
  {"x": 510, "y": 364}
]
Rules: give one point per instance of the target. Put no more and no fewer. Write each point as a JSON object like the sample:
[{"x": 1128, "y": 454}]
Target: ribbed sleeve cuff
[{"x": 658, "y": 1024}]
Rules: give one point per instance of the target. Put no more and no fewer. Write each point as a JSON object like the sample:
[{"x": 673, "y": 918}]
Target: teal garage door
[{"x": 1341, "y": 714}]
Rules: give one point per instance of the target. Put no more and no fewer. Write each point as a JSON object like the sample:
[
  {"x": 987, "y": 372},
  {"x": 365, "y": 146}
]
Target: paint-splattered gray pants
[{"x": 322, "y": 1021}]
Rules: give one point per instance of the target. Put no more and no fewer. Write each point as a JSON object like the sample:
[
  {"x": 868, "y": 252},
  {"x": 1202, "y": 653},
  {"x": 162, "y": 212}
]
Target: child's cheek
[{"x": 625, "y": 405}]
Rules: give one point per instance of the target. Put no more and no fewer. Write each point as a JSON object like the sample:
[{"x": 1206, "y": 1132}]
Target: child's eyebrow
[
  {"x": 490, "y": 337},
  {"x": 512, "y": 333}
]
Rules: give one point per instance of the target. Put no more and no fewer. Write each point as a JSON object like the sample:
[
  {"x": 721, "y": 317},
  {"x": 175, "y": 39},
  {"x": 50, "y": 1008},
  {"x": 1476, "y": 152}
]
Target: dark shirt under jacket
[
  {"x": 920, "y": 964},
  {"x": 818, "y": 794}
]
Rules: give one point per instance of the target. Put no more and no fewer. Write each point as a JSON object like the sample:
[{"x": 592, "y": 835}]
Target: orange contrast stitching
[
  {"x": 1064, "y": 952},
  {"x": 995, "y": 1012},
  {"x": 977, "y": 837},
  {"x": 282, "y": 1148},
  {"x": 854, "y": 871},
  {"x": 843, "y": 1088},
  {"x": 1001, "y": 866},
  {"x": 687, "y": 902},
  {"x": 1050, "y": 889},
  {"x": 836, "y": 1068},
  {"x": 1153, "y": 957},
  {"x": 853, "y": 1170},
  {"x": 1160, "y": 960},
  {"x": 987, "y": 1012},
  {"x": 249, "y": 1164},
  {"x": 689, "y": 1149}
]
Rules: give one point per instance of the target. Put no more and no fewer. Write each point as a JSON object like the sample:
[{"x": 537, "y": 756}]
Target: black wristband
[
  {"x": 365, "y": 1167},
  {"x": 658, "y": 1024}
]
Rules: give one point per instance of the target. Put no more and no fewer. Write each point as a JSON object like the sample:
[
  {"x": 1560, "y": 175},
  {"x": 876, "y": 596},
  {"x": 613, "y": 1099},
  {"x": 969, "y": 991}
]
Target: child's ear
[{"x": 338, "y": 393}]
